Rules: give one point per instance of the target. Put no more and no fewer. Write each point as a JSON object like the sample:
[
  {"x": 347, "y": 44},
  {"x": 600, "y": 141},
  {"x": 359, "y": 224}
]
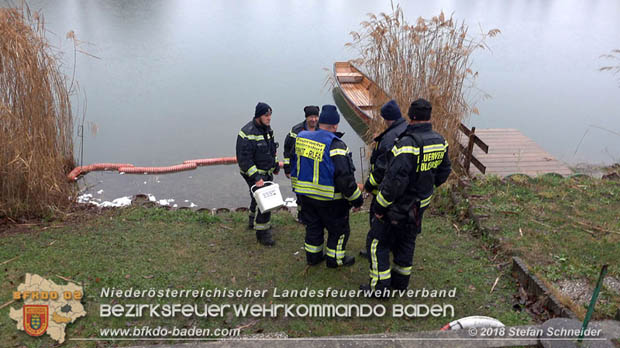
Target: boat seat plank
[{"x": 349, "y": 77}]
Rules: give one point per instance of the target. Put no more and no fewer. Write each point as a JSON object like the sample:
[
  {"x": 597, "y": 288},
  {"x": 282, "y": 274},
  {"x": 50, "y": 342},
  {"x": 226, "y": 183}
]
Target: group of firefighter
[{"x": 408, "y": 161}]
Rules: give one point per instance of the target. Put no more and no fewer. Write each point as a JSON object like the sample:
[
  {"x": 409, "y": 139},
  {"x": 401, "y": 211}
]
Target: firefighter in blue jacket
[
  {"x": 322, "y": 173},
  {"x": 384, "y": 142},
  {"x": 309, "y": 124},
  {"x": 417, "y": 164},
  {"x": 256, "y": 156}
]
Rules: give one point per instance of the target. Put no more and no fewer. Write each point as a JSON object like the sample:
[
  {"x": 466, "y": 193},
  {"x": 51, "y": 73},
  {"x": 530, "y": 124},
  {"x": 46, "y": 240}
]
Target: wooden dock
[{"x": 512, "y": 152}]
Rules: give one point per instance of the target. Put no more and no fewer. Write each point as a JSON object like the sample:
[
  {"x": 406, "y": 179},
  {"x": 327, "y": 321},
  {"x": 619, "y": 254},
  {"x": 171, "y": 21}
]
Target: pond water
[{"x": 176, "y": 80}]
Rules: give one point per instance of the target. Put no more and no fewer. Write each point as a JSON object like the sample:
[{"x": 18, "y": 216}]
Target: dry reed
[
  {"x": 615, "y": 69},
  {"x": 431, "y": 60},
  {"x": 36, "y": 146}
]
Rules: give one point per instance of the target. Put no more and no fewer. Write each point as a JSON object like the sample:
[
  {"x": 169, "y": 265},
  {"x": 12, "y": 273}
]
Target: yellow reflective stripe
[
  {"x": 375, "y": 192},
  {"x": 355, "y": 195},
  {"x": 336, "y": 196},
  {"x": 251, "y": 136},
  {"x": 330, "y": 252},
  {"x": 262, "y": 227},
  {"x": 372, "y": 180},
  {"x": 426, "y": 201},
  {"x": 313, "y": 248},
  {"x": 436, "y": 147},
  {"x": 307, "y": 191},
  {"x": 374, "y": 265},
  {"x": 318, "y": 186},
  {"x": 336, "y": 152},
  {"x": 381, "y": 200},
  {"x": 261, "y": 171},
  {"x": 405, "y": 149},
  {"x": 251, "y": 171},
  {"x": 339, "y": 250},
  {"x": 292, "y": 134},
  {"x": 315, "y": 173},
  {"x": 338, "y": 254},
  {"x": 381, "y": 275},
  {"x": 402, "y": 270},
  {"x": 287, "y": 160}
]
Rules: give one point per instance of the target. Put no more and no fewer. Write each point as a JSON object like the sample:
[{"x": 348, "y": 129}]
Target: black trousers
[
  {"x": 261, "y": 221},
  {"x": 399, "y": 239},
  {"x": 371, "y": 216},
  {"x": 333, "y": 216}
]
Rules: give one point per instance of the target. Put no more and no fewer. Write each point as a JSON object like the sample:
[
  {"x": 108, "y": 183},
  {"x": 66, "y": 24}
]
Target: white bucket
[{"x": 268, "y": 197}]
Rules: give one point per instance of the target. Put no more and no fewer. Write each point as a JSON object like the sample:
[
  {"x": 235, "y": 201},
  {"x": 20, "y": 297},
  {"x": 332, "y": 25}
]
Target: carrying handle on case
[{"x": 266, "y": 182}]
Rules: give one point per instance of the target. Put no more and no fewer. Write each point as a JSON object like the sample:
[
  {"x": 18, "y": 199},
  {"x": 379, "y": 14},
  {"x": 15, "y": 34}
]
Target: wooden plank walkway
[{"x": 512, "y": 152}]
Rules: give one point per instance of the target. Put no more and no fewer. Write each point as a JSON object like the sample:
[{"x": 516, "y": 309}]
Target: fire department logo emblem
[{"x": 36, "y": 318}]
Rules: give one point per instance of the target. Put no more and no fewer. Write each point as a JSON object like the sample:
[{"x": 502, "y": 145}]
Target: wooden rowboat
[{"x": 359, "y": 92}]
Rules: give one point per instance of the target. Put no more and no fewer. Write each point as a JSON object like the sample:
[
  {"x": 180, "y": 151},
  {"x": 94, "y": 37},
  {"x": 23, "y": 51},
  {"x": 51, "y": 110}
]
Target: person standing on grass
[
  {"x": 384, "y": 142},
  {"x": 417, "y": 164},
  {"x": 256, "y": 155},
  {"x": 322, "y": 174},
  {"x": 309, "y": 124}
]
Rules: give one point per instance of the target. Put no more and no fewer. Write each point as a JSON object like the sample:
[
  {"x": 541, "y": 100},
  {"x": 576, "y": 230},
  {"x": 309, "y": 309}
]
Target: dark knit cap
[
  {"x": 420, "y": 110},
  {"x": 329, "y": 115},
  {"x": 390, "y": 111},
  {"x": 261, "y": 109},
  {"x": 311, "y": 110}
]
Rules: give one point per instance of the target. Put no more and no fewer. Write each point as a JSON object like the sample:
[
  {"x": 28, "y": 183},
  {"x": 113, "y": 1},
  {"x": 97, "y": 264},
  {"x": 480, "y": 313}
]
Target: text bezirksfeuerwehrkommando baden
[
  {"x": 325, "y": 310},
  {"x": 275, "y": 293}
]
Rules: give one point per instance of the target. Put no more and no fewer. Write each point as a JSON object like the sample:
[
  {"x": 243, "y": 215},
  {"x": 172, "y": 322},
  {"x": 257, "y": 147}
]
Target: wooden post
[{"x": 470, "y": 149}]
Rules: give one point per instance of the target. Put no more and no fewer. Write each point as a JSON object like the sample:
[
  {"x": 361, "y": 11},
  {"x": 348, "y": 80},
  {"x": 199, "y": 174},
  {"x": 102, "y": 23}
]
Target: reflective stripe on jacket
[
  {"x": 322, "y": 167},
  {"x": 414, "y": 170},
  {"x": 256, "y": 151}
]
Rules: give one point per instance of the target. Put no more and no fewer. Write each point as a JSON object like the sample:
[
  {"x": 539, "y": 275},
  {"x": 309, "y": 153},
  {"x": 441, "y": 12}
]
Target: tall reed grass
[
  {"x": 614, "y": 56},
  {"x": 36, "y": 123},
  {"x": 430, "y": 59}
]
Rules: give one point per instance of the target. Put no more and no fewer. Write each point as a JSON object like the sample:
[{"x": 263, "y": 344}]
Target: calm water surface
[{"x": 176, "y": 80}]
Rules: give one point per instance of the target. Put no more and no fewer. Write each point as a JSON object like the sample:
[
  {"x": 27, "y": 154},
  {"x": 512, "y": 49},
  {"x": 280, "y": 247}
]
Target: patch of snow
[
  {"x": 290, "y": 202},
  {"x": 119, "y": 202},
  {"x": 191, "y": 205},
  {"x": 99, "y": 192},
  {"x": 151, "y": 197}
]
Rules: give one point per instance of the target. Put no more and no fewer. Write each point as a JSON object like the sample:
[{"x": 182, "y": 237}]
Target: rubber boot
[
  {"x": 346, "y": 261},
  {"x": 251, "y": 221},
  {"x": 264, "y": 238},
  {"x": 314, "y": 261}
]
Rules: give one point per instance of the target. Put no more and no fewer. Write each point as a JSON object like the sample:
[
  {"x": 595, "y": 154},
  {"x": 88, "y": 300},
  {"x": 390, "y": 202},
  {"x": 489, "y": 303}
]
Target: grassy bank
[
  {"x": 564, "y": 228},
  {"x": 155, "y": 248}
]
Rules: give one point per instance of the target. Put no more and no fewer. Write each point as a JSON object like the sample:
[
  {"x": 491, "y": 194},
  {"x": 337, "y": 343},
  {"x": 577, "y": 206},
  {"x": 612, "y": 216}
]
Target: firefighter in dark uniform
[
  {"x": 322, "y": 173},
  {"x": 256, "y": 156},
  {"x": 384, "y": 142},
  {"x": 417, "y": 164},
  {"x": 309, "y": 124}
]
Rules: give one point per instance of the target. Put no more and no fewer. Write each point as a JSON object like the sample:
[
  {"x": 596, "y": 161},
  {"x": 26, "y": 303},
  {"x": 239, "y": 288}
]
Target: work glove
[{"x": 357, "y": 202}]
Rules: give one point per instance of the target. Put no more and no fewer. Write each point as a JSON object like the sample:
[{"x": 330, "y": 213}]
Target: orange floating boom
[
  {"x": 157, "y": 170},
  {"x": 131, "y": 169}
]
